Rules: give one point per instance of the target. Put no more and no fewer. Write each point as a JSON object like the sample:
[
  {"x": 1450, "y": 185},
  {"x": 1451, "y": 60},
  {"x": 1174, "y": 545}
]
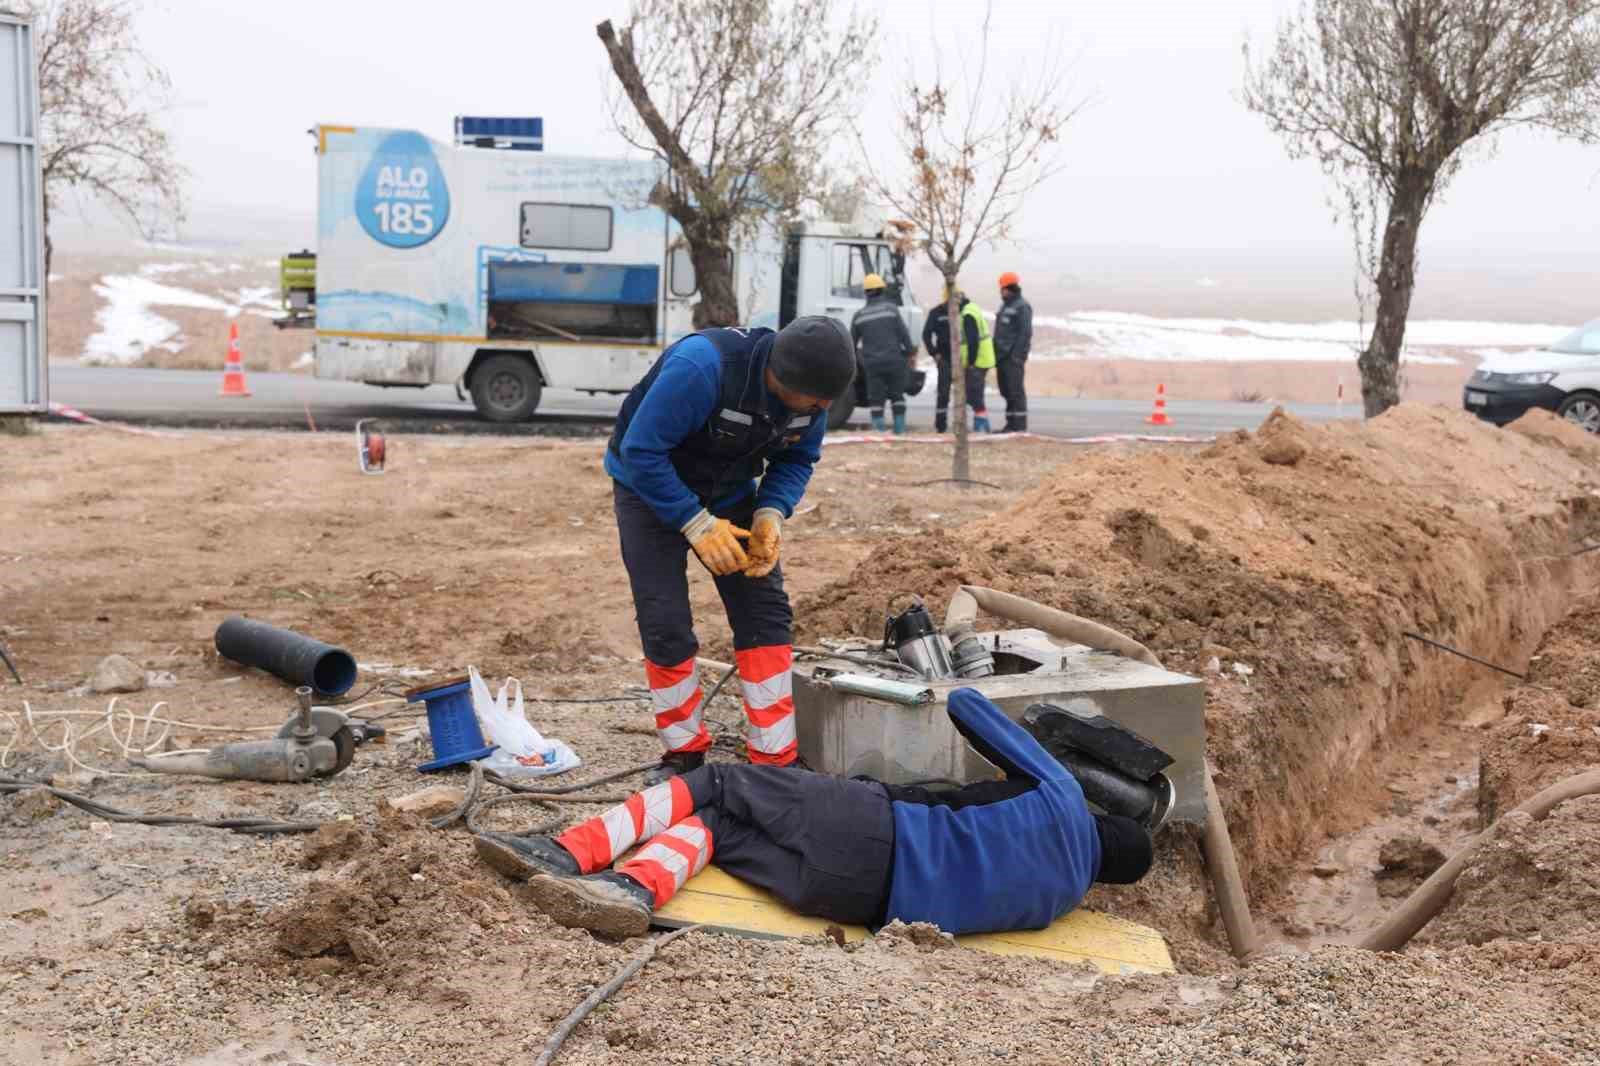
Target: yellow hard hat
[{"x": 872, "y": 282}]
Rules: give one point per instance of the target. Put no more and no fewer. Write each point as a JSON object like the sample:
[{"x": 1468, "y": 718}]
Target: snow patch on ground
[
  {"x": 1122, "y": 335},
  {"x": 128, "y": 327}
]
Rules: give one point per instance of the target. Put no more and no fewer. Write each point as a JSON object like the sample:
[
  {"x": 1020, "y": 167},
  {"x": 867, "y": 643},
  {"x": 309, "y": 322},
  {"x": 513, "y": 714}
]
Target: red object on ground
[
  {"x": 233, "y": 369},
  {"x": 1159, "y": 416}
]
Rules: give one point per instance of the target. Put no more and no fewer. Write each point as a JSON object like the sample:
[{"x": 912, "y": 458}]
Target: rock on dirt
[
  {"x": 1404, "y": 862},
  {"x": 33, "y": 805},
  {"x": 116, "y": 673},
  {"x": 430, "y": 802}
]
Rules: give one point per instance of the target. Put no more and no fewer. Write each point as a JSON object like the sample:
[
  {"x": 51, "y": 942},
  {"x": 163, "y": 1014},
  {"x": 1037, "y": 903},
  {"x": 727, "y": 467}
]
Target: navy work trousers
[
  {"x": 823, "y": 845},
  {"x": 656, "y": 557}
]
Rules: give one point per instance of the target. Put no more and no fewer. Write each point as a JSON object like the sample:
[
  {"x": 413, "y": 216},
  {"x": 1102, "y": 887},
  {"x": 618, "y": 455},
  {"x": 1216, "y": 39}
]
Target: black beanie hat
[
  {"x": 814, "y": 356},
  {"x": 1125, "y": 849}
]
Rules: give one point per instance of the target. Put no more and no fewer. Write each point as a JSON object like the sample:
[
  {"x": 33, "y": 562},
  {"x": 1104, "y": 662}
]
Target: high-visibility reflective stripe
[
  {"x": 656, "y": 802},
  {"x": 669, "y": 858},
  {"x": 671, "y": 697},
  {"x": 773, "y": 739},
  {"x": 661, "y": 676},
  {"x": 733, "y": 415},
  {"x": 619, "y": 831},
  {"x": 681, "y": 735},
  {"x": 766, "y": 693}
]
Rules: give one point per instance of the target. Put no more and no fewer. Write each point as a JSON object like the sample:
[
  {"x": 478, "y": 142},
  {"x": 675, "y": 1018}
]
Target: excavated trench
[{"x": 1286, "y": 567}]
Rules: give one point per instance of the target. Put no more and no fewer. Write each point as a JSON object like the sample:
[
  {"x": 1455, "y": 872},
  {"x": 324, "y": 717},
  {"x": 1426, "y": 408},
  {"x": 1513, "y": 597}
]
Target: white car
[{"x": 1564, "y": 378}]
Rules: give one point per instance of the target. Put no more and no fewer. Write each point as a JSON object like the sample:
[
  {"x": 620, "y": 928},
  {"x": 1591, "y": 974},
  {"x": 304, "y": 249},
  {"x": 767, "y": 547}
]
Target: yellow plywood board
[{"x": 1112, "y": 945}]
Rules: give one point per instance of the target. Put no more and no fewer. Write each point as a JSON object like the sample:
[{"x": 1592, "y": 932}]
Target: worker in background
[
  {"x": 885, "y": 346},
  {"x": 1012, "y": 853},
  {"x": 1013, "y": 339},
  {"x": 980, "y": 357},
  {"x": 713, "y": 446}
]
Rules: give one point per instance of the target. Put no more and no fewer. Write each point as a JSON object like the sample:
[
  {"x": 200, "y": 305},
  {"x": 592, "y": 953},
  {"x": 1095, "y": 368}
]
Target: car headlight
[
  {"x": 1532, "y": 377},
  {"x": 1480, "y": 376}
]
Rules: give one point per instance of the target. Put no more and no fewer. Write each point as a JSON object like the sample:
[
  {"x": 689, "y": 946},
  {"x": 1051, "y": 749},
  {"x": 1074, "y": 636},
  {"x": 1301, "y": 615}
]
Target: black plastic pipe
[{"x": 284, "y": 653}]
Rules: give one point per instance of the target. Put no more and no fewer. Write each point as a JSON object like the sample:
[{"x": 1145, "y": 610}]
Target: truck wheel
[
  {"x": 840, "y": 412},
  {"x": 506, "y": 388}
]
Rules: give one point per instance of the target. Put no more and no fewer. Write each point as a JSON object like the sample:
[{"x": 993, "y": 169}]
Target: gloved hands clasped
[{"x": 716, "y": 542}]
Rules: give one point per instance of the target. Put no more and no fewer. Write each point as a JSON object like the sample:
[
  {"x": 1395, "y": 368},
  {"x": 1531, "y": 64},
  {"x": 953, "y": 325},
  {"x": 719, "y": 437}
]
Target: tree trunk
[
  {"x": 713, "y": 272},
  {"x": 1397, "y": 278},
  {"x": 961, "y": 465}
]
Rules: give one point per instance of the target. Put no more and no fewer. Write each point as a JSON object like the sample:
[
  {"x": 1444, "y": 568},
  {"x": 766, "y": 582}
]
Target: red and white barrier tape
[
  {"x": 996, "y": 438},
  {"x": 61, "y": 410}
]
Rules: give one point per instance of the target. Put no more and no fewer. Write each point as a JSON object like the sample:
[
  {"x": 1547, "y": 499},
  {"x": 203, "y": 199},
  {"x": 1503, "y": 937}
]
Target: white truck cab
[{"x": 509, "y": 271}]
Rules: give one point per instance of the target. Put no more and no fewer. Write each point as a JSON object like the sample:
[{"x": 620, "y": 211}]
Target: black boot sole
[{"x": 593, "y": 905}]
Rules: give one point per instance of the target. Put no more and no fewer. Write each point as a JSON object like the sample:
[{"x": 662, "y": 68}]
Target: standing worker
[
  {"x": 881, "y": 337},
  {"x": 979, "y": 347},
  {"x": 714, "y": 445},
  {"x": 1013, "y": 339}
]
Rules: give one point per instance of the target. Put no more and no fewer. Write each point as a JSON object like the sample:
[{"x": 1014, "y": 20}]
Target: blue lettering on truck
[{"x": 401, "y": 199}]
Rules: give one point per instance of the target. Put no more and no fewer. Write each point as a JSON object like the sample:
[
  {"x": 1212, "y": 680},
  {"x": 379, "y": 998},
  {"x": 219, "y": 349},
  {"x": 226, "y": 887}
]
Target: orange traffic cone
[
  {"x": 1158, "y": 417},
  {"x": 233, "y": 368}
]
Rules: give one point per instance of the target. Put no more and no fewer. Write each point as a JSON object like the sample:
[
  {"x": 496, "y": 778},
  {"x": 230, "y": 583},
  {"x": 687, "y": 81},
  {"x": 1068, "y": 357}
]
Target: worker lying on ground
[
  {"x": 714, "y": 445},
  {"x": 1016, "y": 853}
]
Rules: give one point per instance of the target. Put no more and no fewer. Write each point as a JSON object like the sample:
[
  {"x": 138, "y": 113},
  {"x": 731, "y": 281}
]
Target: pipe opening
[{"x": 334, "y": 674}]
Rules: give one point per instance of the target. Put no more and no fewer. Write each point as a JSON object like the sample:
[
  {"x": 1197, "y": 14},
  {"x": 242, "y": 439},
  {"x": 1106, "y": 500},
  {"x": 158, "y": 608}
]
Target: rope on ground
[
  {"x": 601, "y": 994},
  {"x": 117, "y": 814},
  {"x": 37, "y": 722}
]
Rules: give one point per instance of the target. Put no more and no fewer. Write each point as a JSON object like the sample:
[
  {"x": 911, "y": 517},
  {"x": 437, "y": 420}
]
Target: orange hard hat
[{"x": 1008, "y": 279}]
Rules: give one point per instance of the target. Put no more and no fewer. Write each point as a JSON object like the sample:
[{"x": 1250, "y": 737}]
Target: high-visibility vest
[{"x": 985, "y": 358}]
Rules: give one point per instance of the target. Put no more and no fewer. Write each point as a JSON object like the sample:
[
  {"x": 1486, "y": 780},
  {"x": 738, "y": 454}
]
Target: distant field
[{"x": 172, "y": 308}]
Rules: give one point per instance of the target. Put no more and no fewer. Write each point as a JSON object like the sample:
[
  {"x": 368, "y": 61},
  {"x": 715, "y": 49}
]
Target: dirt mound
[
  {"x": 1534, "y": 880},
  {"x": 1544, "y": 426},
  {"x": 1551, "y": 727},
  {"x": 1304, "y": 553},
  {"x": 390, "y": 901}
]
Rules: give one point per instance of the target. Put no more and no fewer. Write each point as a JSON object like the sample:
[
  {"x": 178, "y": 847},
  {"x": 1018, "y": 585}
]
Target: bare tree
[
  {"x": 1387, "y": 94},
  {"x": 973, "y": 149},
  {"x": 99, "y": 97},
  {"x": 739, "y": 98}
]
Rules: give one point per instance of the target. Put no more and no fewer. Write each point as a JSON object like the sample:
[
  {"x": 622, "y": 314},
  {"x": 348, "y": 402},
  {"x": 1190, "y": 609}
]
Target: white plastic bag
[{"x": 520, "y": 749}]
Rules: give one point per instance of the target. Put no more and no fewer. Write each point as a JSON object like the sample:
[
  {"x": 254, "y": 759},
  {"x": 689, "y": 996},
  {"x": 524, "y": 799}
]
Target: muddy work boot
[
  {"x": 609, "y": 903},
  {"x": 522, "y": 857},
  {"x": 672, "y": 764}
]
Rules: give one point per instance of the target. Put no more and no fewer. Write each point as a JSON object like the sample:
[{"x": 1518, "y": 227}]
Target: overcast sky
[{"x": 1165, "y": 161}]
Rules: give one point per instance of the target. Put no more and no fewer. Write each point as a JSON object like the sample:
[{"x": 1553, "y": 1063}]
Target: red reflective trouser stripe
[
  {"x": 597, "y": 842},
  {"x": 671, "y": 858},
  {"x": 675, "y": 696},
  {"x": 768, "y": 703}
]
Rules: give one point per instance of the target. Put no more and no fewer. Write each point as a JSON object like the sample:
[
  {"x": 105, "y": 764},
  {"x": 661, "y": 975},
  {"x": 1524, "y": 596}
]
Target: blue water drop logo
[{"x": 401, "y": 199}]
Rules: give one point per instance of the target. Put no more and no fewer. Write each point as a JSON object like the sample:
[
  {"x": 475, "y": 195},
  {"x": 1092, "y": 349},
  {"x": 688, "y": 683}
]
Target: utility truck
[{"x": 506, "y": 271}]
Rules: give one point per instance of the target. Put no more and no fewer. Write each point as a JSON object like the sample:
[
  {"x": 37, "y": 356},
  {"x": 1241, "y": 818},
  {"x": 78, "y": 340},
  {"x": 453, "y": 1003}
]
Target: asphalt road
[{"x": 296, "y": 401}]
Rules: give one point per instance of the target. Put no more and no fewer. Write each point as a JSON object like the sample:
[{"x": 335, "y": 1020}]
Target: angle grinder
[{"x": 315, "y": 742}]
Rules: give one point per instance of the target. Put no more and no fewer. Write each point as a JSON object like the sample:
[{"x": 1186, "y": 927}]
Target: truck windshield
[{"x": 853, "y": 262}]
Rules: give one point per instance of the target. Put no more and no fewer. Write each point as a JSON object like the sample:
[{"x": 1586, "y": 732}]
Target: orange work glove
[
  {"x": 716, "y": 542},
  {"x": 765, "y": 532}
]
